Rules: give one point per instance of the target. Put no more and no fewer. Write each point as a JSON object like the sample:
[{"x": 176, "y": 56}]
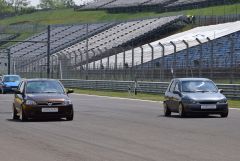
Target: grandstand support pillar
[
  {"x": 187, "y": 57},
  {"x": 116, "y": 61},
  {"x": 38, "y": 68},
  {"x": 132, "y": 57},
  {"x": 232, "y": 53},
  {"x": 94, "y": 54},
  {"x": 41, "y": 68},
  {"x": 52, "y": 64},
  {"x": 48, "y": 51},
  {"x": 173, "y": 68},
  {"x": 162, "y": 63},
  {"x": 211, "y": 59},
  {"x": 9, "y": 60},
  {"x": 101, "y": 53},
  {"x": 141, "y": 56},
  {"x": 201, "y": 58},
  {"x": 87, "y": 54},
  {"x": 124, "y": 59}
]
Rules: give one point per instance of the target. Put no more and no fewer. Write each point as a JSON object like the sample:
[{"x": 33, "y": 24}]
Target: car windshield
[
  {"x": 44, "y": 87},
  {"x": 11, "y": 78},
  {"x": 198, "y": 86}
]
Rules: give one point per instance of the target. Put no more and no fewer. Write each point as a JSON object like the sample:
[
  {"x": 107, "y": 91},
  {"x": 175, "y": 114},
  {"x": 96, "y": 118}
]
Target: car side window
[
  {"x": 176, "y": 88},
  {"x": 21, "y": 87},
  {"x": 172, "y": 86}
]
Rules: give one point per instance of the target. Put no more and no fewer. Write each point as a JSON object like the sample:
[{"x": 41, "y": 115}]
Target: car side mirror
[
  {"x": 220, "y": 90},
  {"x": 16, "y": 91},
  {"x": 70, "y": 91},
  {"x": 177, "y": 92}
]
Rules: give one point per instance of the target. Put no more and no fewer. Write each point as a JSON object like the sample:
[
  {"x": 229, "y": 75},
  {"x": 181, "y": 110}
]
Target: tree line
[{"x": 23, "y": 6}]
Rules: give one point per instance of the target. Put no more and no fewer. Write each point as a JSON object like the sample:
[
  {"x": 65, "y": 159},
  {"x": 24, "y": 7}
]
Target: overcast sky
[{"x": 36, "y": 2}]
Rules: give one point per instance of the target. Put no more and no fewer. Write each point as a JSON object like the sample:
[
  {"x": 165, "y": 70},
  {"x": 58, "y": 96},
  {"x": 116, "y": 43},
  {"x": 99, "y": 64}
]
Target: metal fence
[
  {"x": 152, "y": 63},
  {"x": 230, "y": 91},
  {"x": 218, "y": 60}
]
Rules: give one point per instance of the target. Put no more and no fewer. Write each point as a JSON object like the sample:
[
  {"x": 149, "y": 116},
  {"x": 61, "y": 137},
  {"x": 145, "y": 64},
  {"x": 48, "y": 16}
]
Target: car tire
[
  {"x": 225, "y": 114},
  {"x": 70, "y": 118},
  {"x": 14, "y": 113},
  {"x": 181, "y": 110},
  {"x": 2, "y": 91},
  {"x": 23, "y": 116},
  {"x": 167, "y": 111}
]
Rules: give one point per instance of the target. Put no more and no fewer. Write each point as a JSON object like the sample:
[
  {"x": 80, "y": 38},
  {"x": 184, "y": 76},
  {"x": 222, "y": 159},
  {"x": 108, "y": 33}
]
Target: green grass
[
  {"x": 142, "y": 96},
  {"x": 68, "y": 16}
]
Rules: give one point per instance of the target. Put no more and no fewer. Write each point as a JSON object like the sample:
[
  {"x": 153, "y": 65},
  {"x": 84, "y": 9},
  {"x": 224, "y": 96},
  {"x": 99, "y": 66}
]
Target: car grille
[
  {"x": 52, "y": 103},
  {"x": 212, "y": 102}
]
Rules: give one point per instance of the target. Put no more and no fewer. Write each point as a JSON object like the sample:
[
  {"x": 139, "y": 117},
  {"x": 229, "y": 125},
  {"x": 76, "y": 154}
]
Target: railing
[{"x": 230, "y": 91}]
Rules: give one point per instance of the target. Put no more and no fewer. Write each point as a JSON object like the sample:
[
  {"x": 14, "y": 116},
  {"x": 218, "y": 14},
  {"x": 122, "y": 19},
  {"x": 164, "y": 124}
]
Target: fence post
[
  {"x": 174, "y": 60},
  {"x": 87, "y": 56},
  {"x": 9, "y": 60},
  {"x": 48, "y": 51},
  {"x": 132, "y": 57},
  {"x": 211, "y": 58},
  {"x": 141, "y": 56},
  {"x": 187, "y": 57},
  {"x": 152, "y": 57},
  {"x": 162, "y": 72},
  {"x": 232, "y": 57},
  {"x": 201, "y": 58}
]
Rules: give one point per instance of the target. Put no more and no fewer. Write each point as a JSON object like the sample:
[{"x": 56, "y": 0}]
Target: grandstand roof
[{"x": 202, "y": 33}]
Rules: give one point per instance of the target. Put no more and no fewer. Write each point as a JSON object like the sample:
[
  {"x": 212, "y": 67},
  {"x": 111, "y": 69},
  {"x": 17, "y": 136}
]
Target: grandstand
[
  {"x": 60, "y": 38},
  {"x": 184, "y": 4},
  {"x": 157, "y": 5},
  {"x": 115, "y": 38},
  {"x": 215, "y": 50}
]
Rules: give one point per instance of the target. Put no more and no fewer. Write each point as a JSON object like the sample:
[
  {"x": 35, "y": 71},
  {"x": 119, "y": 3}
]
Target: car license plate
[
  {"x": 49, "y": 109},
  {"x": 208, "y": 107}
]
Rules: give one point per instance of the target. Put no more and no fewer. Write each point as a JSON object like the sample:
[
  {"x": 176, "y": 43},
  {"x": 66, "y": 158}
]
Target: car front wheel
[
  {"x": 70, "y": 118},
  {"x": 23, "y": 116},
  {"x": 225, "y": 114},
  {"x": 181, "y": 111},
  {"x": 14, "y": 113},
  {"x": 167, "y": 111}
]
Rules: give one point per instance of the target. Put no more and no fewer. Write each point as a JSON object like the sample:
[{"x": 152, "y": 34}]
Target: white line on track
[
  {"x": 118, "y": 98},
  {"x": 6, "y": 100},
  {"x": 109, "y": 97}
]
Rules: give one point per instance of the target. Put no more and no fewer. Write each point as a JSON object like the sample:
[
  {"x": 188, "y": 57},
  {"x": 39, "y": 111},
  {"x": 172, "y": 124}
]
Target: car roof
[
  {"x": 192, "y": 79},
  {"x": 10, "y": 75},
  {"x": 39, "y": 79}
]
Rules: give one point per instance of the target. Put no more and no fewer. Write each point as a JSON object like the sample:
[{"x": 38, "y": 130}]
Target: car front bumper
[
  {"x": 36, "y": 112},
  {"x": 208, "y": 108},
  {"x": 8, "y": 89}
]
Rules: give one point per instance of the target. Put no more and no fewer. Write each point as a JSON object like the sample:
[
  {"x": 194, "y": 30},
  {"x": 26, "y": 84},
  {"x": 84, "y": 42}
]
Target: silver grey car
[{"x": 194, "y": 95}]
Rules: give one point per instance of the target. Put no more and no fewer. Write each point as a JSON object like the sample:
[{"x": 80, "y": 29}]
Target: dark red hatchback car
[{"x": 42, "y": 98}]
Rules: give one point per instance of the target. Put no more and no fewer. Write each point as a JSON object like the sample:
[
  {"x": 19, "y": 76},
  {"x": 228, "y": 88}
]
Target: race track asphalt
[{"x": 111, "y": 129}]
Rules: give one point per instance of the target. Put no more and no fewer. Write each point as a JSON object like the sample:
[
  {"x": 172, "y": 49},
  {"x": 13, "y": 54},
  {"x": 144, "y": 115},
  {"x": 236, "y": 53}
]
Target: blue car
[{"x": 9, "y": 82}]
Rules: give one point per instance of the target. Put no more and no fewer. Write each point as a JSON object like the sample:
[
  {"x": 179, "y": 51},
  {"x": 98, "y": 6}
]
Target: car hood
[
  {"x": 47, "y": 97},
  {"x": 11, "y": 83},
  {"x": 206, "y": 96}
]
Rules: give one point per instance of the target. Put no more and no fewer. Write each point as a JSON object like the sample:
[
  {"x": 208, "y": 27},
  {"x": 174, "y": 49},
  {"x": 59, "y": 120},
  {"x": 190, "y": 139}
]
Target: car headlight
[
  {"x": 189, "y": 101},
  {"x": 67, "y": 102},
  {"x": 30, "y": 102},
  {"x": 223, "y": 101}
]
